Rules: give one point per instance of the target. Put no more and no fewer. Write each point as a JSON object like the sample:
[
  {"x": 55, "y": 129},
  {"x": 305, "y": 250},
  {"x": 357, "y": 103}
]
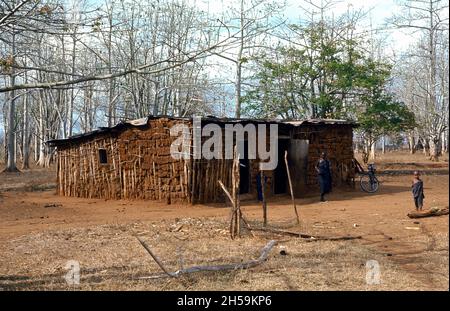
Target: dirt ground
[{"x": 40, "y": 232}]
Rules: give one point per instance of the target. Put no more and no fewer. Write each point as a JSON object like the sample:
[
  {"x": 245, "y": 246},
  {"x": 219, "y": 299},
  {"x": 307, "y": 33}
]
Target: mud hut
[{"x": 134, "y": 160}]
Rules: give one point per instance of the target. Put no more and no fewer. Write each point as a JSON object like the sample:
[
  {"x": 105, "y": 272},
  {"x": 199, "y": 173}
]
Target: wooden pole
[
  {"x": 226, "y": 192},
  {"x": 308, "y": 236},
  {"x": 264, "y": 204},
  {"x": 155, "y": 258},
  {"x": 234, "y": 266},
  {"x": 290, "y": 186},
  {"x": 237, "y": 182},
  {"x": 236, "y": 215},
  {"x": 233, "y": 194},
  {"x": 429, "y": 213}
]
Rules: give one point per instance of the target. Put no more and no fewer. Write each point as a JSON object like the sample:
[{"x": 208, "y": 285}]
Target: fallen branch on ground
[
  {"x": 307, "y": 236},
  {"x": 244, "y": 265},
  {"x": 155, "y": 258},
  {"x": 430, "y": 213}
]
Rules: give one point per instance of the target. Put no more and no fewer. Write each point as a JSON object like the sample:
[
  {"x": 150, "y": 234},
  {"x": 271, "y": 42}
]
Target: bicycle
[{"x": 368, "y": 182}]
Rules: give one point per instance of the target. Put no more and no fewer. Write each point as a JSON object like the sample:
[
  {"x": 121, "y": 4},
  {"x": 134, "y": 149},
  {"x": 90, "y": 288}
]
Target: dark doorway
[
  {"x": 244, "y": 171},
  {"x": 298, "y": 164},
  {"x": 280, "y": 173}
]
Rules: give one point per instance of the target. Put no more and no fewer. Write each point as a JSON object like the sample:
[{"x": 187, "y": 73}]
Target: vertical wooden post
[
  {"x": 236, "y": 186},
  {"x": 264, "y": 204},
  {"x": 290, "y": 186},
  {"x": 235, "y": 221},
  {"x": 235, "y": 214},
  {"x": 233, "y": 207}
]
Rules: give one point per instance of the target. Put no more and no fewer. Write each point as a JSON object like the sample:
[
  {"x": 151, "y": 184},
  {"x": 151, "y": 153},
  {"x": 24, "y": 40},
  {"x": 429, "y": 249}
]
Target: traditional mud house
[{"x": 133, "y": 160}]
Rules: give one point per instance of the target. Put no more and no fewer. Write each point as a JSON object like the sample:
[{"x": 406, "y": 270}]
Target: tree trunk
[
  {"x": 238, "y": 90},
  {"x": 239, "y": 64},
  {"x": 356, "y": 146},
  {"x": 439, "y": 146},
  {"x": 26, "y": 136},
  {"x": 11, "y": 137},
  {"x": 5, "y": 130},
  {"x": 72, "y": 94},
  {"x": 111, "y": 82},
  {"x": 434, "y": 149},
  {"x": 444, "y": 142},
  {"x": 41, "y": 161},
  {"x": 41, "y": 158},
  {"x": 366, "y": 152},
  {"x": 411, "y": 143},
  {"x": 372, "y": 151},
  {"x": 426, "y": 147}
]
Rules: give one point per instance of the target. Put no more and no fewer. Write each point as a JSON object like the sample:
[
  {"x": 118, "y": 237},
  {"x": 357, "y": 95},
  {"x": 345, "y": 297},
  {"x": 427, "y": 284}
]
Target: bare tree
[{"x": 426, "y": 82}]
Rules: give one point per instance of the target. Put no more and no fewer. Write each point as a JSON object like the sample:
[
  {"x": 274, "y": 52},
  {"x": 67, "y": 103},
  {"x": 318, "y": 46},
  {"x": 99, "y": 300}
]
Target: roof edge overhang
[{"x": 143, "y": 122}]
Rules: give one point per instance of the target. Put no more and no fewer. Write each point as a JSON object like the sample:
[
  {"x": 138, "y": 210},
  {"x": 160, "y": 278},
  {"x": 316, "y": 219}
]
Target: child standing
[{"x": 417, "y": 190}]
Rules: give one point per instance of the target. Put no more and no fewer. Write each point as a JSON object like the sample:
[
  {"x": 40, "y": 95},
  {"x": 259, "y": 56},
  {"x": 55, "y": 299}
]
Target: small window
[{"x": 102, "y": 156}]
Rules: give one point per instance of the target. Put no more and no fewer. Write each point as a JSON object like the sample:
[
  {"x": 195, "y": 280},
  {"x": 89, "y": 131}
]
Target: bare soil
[{"x": 40, "y": 232}]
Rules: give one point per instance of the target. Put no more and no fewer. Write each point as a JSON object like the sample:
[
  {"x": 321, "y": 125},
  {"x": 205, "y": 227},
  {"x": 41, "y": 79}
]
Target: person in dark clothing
[
  {"x": 323, "y": 169},
  {"x": 417, "y": 190}
]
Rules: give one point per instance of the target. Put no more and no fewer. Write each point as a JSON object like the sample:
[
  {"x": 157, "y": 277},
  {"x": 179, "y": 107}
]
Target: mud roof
[{"x": 143, "y": 122}]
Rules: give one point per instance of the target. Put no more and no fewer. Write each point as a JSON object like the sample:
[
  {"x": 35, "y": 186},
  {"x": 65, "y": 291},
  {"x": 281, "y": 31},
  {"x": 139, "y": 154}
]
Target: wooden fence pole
[
  {"x": 233, "y": 207},
  {"x": 264, "y": 204},
  {"x": 290, "y": 185},
  {"x": 236, "y": 186}
]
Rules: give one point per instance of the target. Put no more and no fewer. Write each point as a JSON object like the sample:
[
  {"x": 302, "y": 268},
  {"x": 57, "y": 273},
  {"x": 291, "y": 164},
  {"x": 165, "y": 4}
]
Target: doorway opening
[
  {"x": 280, "y": 173},
  {"x": 298, "y": 165},
  {"x": 244, "y": 171}
]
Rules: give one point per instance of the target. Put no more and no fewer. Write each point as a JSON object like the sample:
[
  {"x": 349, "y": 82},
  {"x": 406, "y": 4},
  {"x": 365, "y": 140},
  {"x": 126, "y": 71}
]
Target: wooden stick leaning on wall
[{"x": 290, "y": 185}]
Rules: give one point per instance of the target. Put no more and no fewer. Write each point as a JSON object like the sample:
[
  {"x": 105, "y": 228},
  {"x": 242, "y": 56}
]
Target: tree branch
[
  {"x": 12, "y": 12},
  {"x": 56, "y": 84},
  {"x": 243, "y": 265}
]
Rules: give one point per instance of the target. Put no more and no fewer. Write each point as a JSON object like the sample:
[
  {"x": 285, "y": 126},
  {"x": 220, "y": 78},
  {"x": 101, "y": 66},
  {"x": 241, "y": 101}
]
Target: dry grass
[
  {"x": 112, "y": 259},
  {"x": 399, "y": 157},
  {"x": 38, "y": 179},
  {"x": 34, "y": 251}
]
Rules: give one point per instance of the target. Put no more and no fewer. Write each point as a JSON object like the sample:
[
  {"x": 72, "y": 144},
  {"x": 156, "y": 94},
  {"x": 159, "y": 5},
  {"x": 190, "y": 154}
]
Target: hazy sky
[{"x": 378, "y": 12}]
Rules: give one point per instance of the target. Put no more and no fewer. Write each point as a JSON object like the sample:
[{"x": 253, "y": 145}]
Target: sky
[{"x": 378, "y": 12}]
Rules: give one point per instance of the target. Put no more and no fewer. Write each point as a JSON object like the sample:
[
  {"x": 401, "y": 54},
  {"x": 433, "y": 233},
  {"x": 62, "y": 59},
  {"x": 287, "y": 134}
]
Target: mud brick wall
[
  {"x": 148, "y": 170},
  {"x": 79, "y": 172},
  {"x": 139, "y": 166},
  {"x": 337, "y": 142}
]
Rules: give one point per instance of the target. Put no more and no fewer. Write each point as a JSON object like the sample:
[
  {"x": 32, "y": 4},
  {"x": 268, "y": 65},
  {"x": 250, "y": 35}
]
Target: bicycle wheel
[{"x": 368, "y": 184}]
